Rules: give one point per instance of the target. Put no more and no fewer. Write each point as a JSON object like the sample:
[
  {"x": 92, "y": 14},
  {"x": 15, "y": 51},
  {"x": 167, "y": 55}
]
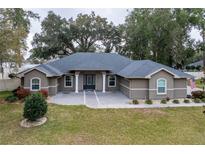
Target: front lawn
[
  {"x": 4, "y": 94},
  {"x": 81, "y": 125}
]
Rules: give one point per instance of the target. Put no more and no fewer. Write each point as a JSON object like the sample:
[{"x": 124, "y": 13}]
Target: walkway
[{"x": 93, "y": 99}]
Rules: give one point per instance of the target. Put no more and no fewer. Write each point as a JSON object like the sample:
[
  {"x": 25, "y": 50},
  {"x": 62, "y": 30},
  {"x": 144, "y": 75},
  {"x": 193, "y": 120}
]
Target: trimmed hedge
[
  {"x": 163, "y": 101},
  {"x": 35, "y": 107},
  {"x": 186, "y": 101},
  {"x": 135, "y": 101},
  {"x": 175, "y": 101},
  {"x": 149, "y": 101}
]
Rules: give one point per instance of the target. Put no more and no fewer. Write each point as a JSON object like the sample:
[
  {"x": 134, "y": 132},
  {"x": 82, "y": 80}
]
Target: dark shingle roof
[
  {"x": 91, "y": 61},
  {"x": 142, "y": 68},
  {"x": 113, "y": 62}
]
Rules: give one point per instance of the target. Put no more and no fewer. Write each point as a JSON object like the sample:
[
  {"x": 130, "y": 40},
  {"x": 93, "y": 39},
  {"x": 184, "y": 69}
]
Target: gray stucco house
[{"x": 137, "y": 79}]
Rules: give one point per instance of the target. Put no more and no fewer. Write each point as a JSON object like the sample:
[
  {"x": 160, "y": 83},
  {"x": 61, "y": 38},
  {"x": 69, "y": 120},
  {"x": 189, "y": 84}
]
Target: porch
[
  {"x": 92, "y": 99},
  {"x": 78, "y": 81}
]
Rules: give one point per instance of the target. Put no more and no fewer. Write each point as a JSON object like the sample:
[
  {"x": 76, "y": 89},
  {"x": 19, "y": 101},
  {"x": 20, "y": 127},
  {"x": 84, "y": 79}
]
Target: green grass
[
  {"x": 81, "y": 125},
  {"x": 4, "y": 94}
]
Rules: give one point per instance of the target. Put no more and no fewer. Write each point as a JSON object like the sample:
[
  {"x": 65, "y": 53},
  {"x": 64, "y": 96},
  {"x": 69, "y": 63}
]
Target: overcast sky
[{"x": 117, "y": 16}]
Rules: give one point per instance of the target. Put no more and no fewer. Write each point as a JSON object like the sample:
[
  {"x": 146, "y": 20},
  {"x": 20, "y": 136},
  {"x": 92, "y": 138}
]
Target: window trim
[
  {"x": 31, "y": 84},
  {"x": 109, "y": 80},
  {"x": 164, "y": 93},
  {"x": 65, "y": 81}
]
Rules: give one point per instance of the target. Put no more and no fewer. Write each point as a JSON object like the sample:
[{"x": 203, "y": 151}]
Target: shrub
[
  {"x": 44, "y": 93},
  {"x": 167, "y": 99},
  {"x": 203, "y": 100},
  {"x": 35, "y": 107},
  {"x": 175, "y": 101},
  {"x": 186, "y": 101},
  {"x": 198, "y": 94},
  {"x": 197, "y": 100},
  {"x": 22, "y": 93},
  {"x": 192, "y": 67},
  {"x": 163, "y": 101},
  {"x": 11, "y": 98},
  {"x": 15, "y": 90},
  {"x": 149, "y": 101},
  {"x": 198, "y": 67},
  {"x": 188, "y": 68},
  {"x": 135, "y": 101}
]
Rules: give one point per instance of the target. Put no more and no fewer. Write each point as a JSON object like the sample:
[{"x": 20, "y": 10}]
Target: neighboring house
[
  {"x": 197, "y": 63},
  {"x": 140, "y": 79}
]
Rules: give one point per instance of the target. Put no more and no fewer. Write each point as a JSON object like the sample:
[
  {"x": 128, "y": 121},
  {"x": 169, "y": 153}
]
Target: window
[
  {"x": 68, "y": 82},
  {"x": 35, "y": 84},
  {"x": 161, "y": 86},
  {"x": 111, "y": 81}
]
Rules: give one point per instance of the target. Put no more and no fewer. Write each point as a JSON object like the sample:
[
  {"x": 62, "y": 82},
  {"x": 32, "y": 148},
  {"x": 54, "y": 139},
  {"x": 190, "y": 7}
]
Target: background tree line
[
  {"x": 14, "y": 29},
  {"x": 162, "y": 35}
]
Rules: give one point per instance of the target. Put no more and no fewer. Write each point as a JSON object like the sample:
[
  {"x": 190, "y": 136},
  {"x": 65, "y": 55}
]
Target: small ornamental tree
[{"x": 35, "y": 107}]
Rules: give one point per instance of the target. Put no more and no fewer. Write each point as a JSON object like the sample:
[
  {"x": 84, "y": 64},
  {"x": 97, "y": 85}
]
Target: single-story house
[{"x": 137, "y": 79}]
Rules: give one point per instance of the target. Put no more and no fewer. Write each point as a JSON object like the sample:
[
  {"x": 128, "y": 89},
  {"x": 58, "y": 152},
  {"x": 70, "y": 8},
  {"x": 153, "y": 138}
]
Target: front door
[{"x": 89, "y": 82}]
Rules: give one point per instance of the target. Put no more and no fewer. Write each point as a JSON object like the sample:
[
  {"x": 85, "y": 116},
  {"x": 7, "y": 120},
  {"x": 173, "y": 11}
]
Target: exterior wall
[
  {"x": 153, "y": 85},
  {"x": 132, "y": 88},
  {"x": 99, "y": 82},
  {"x": 139, "y": 88},
  {"x": 107, "y": 88},
  {"x": 147, "y": 88},
  {"x": 49, "y": 84},
  {"x": 32, "y": 74},
  {"x": 64, "y": 89},
  {"x": 53, "y": 85},
  {"x": 180, "y": 86},
  {"x": 124, "y": 85},
  {"x": 35, "y": 73}
]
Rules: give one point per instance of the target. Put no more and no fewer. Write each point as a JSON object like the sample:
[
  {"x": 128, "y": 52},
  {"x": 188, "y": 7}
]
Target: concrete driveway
[
  {"x": 93, "y": 99},
  {"x": 67, "y": 99}
]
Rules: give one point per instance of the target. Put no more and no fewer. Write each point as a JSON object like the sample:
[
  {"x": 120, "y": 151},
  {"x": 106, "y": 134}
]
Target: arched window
[
  {"x": 35, "y": 84},
  {"x": 161, "y": 86}
]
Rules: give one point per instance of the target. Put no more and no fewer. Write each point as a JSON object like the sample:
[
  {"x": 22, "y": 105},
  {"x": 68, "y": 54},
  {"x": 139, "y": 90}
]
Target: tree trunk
[{"x": 1, "y": 69}]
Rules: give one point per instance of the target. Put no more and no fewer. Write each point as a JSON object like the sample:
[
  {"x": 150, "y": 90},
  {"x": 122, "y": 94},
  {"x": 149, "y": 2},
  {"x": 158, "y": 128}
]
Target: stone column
[
  {"x": 76, "y": 81},
  {"x": 104, "y": 81}
]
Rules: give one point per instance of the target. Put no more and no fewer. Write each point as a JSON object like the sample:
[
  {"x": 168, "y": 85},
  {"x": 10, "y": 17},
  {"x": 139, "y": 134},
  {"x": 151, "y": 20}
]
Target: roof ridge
[{"x": 53, "y": 68}]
